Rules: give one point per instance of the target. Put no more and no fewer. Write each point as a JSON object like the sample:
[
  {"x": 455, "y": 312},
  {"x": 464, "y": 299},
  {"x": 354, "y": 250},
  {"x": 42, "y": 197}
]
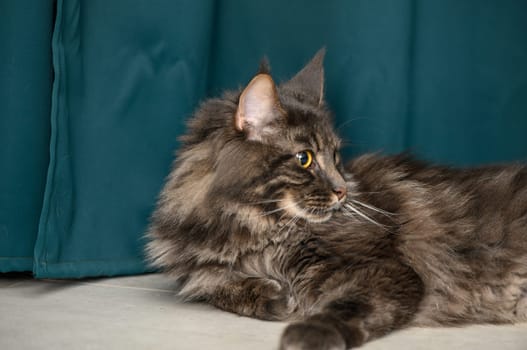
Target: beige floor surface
[{"x": 142, "y": 312}]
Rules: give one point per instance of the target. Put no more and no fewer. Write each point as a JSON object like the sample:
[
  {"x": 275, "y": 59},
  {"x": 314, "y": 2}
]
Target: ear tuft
[
  {"x": 258, "y": 108},
  {"x": 264, "y": 67}
]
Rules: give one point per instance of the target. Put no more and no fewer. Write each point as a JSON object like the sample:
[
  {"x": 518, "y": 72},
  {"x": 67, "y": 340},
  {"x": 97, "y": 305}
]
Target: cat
[{"x": 260, "y": 217}]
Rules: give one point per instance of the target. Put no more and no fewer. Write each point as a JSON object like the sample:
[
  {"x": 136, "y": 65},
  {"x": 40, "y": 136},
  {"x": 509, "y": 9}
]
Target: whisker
[
  {"x": 362, "y": 215},
  {"x": 266, "y": 201},
  {"x": 374, "y": 192},
  {"x": 281, "y": 217},
  {"x": 374, "y": 208},
  {"x": 348, "y": 121},
  {"x": 349, "y": 214},
  {"x": 272, "y": 211},
  {"x": 296, "y": 217},
  {"x": 286, "y": 224},
  {"x": 279, "y": 209}
]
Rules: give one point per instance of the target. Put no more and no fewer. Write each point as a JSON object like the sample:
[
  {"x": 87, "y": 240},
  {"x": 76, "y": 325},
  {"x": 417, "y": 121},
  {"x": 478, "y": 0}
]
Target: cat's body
[{"x": 259, "y": 217}]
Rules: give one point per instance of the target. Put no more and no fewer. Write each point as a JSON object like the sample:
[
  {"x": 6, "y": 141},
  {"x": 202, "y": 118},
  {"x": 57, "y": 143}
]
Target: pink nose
[{"x": 340, "y": 192}]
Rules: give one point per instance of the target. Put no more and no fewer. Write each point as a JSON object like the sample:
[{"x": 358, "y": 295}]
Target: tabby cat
[{"x": 260, "y": 217}]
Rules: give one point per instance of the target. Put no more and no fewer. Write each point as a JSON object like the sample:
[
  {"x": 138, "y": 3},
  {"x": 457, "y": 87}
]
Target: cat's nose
[{"x": 340, "y": 192}]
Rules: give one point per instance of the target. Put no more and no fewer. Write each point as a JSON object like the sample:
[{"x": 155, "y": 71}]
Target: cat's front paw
[
  {"x": 273, "y": 302},
  {"x": 311, "y": 336}
]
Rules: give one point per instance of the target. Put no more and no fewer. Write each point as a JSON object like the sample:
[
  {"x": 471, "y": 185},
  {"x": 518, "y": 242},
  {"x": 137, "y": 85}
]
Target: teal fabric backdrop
[
  {"x": 25, "y": 101},
  {"x": 84, "y": 151},
  {"x": 124, "y": 78}
]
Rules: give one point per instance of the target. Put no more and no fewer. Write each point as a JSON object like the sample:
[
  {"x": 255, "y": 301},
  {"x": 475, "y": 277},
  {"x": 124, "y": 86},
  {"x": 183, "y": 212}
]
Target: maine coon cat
[{"x": 260, "y": 217}]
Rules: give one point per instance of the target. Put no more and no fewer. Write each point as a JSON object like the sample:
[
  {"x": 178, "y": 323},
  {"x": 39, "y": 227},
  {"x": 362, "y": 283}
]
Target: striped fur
[{"x": 244, "y": 227}]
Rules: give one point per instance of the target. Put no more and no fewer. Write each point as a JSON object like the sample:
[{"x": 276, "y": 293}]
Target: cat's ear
[
  {"x": 259, "y": 108},
  {"x": 309, "y": 82}
]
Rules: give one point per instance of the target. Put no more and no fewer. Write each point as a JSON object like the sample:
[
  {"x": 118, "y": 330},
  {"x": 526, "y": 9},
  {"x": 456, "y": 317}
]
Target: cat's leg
[
  {"x": 325, "y": 331},
  {"x": 343, "y": 324},
  {"x": 520, "y": 311},
  {"x": 348, "y": 316},
  {"x": 232, "y": 291}
]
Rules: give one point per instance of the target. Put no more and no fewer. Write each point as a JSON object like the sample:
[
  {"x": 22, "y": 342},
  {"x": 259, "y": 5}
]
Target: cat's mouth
[{"x": 315, "y": 214}]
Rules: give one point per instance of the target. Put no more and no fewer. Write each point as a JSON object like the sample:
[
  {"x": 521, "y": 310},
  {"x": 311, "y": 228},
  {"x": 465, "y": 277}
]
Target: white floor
[{"x": 143, "y": 313}]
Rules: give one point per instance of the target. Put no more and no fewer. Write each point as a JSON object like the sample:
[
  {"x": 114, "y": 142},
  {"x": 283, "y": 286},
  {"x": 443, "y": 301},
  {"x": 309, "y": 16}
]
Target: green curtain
[
  {"x": 90, "y": 116},
  {"x": 124, "y": 78},
  {"x": 25, "y": 101}
]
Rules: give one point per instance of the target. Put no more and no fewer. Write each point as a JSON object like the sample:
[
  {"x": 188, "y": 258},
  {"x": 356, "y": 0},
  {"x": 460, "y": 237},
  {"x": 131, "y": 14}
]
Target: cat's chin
[
  {"x": 314, "y": 215},
  {"x": 319, "y": 218}
]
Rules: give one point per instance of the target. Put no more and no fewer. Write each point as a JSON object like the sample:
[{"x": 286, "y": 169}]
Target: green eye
[{"x": 305, "y": 159}]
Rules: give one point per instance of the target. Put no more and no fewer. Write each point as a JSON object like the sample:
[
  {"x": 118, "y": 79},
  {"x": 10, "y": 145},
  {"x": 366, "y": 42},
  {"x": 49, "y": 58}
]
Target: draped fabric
[
  {"x": 93, "y": 95},
  {"x": 25, "y": 101}
]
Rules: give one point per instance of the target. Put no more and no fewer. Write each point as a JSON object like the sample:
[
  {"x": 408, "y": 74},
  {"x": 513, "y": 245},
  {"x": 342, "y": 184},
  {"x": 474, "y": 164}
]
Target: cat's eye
[{"x": 305, "y": 159}]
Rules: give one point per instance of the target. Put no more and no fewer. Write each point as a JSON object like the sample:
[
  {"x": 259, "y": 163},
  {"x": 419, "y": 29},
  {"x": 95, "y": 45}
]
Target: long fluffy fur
[{"x": 247, "y": 230}]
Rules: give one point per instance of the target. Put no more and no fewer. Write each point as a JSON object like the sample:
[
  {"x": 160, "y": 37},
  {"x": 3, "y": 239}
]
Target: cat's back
[
  {"x": 400, "y": 182},
  {"x": 485, "y": 205}
]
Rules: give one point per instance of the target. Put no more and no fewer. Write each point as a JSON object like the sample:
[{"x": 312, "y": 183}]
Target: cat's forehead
[{"x": 311, "y": 129}]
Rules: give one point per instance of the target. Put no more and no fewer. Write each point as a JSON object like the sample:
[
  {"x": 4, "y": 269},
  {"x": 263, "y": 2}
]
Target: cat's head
[
  {"x": 271, "y": 150},
  {"x": 307, "y": 179}
]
